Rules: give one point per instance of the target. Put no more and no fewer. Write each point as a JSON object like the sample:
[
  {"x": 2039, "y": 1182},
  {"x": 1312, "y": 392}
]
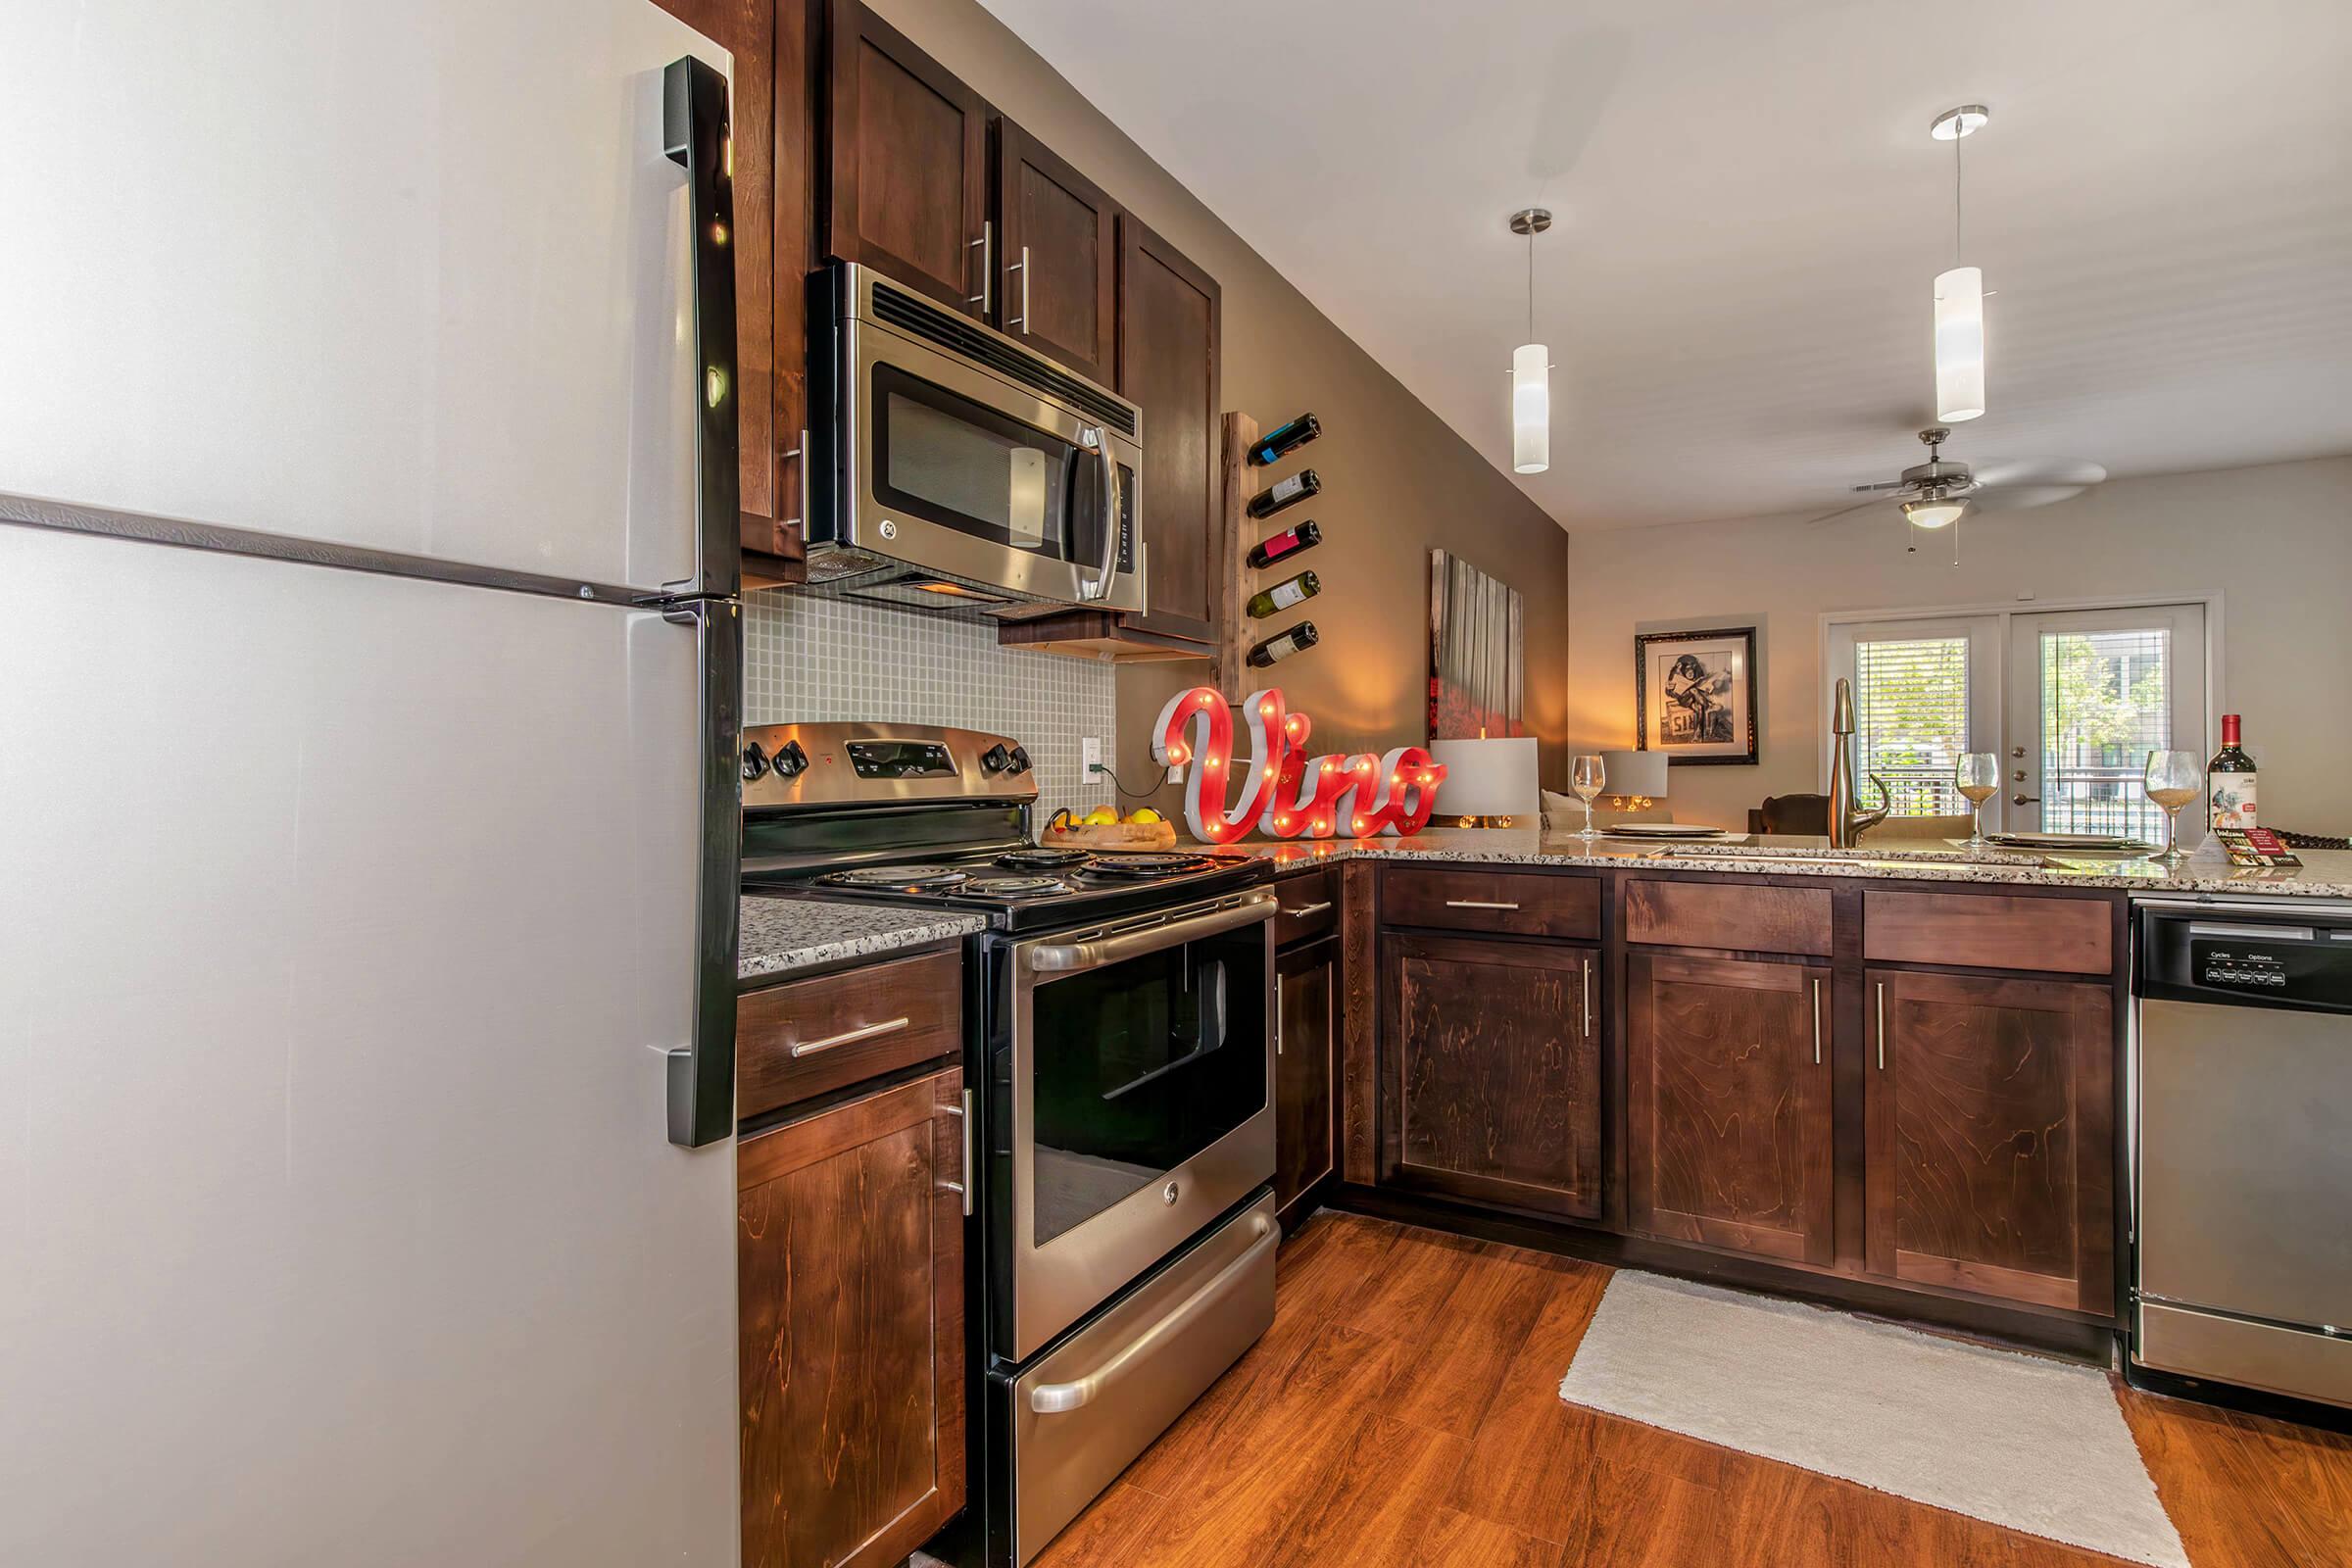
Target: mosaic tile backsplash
[{"x": 808, "y": 657}]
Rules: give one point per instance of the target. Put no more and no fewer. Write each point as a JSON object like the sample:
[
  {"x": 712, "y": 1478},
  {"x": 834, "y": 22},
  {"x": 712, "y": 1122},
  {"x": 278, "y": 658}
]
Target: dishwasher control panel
[{"x": 2277, "y": 959}]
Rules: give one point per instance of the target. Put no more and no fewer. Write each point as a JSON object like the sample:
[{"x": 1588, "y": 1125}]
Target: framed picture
[
  {"x": 1477, "y": 653},
  {"x": 1695, "y": 693}
]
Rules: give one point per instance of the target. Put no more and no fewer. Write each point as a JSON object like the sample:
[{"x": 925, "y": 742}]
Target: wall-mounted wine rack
[{"x": 1244, "y": 448}]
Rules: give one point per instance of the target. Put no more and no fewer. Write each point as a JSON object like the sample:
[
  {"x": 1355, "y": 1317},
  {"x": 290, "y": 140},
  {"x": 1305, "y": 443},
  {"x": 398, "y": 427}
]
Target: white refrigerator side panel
[
  {"x": 344, "y": 924},
  {"x": 408, "y": 277}
]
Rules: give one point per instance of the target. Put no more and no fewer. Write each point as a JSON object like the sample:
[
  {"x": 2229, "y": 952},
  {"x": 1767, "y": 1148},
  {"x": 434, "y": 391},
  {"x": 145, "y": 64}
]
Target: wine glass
[
  {"x": 1586, "y": 776},
  {"x": 2173, "y": 780},
  {"x": 1978, "y": 777}
]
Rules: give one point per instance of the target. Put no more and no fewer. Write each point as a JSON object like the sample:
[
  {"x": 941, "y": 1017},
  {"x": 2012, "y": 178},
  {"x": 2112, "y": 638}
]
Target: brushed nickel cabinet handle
[
  {"x": 848, "y": 1037},
  {"x": 1278, "y": 1014},
  {"x": 1477, "y": 904},
  {"x": 1816, "y": 1021},
  {"x": 1022, "y": 266},
  {"x": 1310, "y": 908},
  {"x": 986, "y": 245},
  {"x": 1588, "y": 1009},
  {"x": 963, "y": 1115},
  {"x": 1882, "y": 1026}
]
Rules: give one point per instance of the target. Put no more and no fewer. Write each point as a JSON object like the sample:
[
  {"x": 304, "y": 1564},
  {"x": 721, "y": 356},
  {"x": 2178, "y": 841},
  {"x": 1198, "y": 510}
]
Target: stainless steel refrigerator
[{"x": 368, "y": 692}]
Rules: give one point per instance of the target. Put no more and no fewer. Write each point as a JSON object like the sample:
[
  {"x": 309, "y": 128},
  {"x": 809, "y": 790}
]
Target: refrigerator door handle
[
  {"x": 695, "y": 133},
  {"x": 702, "y": 1073}
]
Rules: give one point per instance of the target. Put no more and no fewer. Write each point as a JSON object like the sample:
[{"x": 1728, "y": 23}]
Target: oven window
[
  {"x": 965, "y": 466},
  {"x": 1141, "y": 1065}
]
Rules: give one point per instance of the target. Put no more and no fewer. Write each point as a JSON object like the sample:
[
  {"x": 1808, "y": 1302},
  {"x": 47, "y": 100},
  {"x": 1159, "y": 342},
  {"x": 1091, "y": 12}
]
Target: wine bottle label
[
  {"x": 2232, "y": 797},
  {"x": 1287, "y": 593},
  {"x": 1282, "y": 544},
  {"x": 1286, "y": 490}
]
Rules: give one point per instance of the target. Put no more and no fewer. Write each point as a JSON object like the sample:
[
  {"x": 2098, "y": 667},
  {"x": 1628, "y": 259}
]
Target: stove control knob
[
  {"x": 995, "y": 759},
  {"x": 1020, "y": 760},
  {"x": 755, "y": 761},
  {"x": 791, "y": 761}
]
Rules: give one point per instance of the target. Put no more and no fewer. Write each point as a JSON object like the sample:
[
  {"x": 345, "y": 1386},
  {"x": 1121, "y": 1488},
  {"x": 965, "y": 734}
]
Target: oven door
[
  {"x": 1141, "y": 1089},
  {"x": 957, "y": 471}
]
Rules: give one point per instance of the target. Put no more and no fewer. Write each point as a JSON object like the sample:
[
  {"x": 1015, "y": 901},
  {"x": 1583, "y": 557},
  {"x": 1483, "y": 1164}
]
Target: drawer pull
[
  {"x": 1817, "y": 1023},
  {"x": 1477, "y": 904},
  {"x": 1310, "y": 908},
  {"x": 848, "y": 1037},
  {"x": 1882, "y": 1026}
]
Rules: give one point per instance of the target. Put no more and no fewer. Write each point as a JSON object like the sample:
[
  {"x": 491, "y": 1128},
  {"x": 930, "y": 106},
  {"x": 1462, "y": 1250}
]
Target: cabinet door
[
  {"x": 908, "y": 146},
  {"x": 1168, "y": 366},
  {"x": 1056, "y": 255},
  {"x": 1727, "y": 1132},
  {"x": 1989, "y": 1120},
  {"x": 1491, "y": 1057},
  {"x": 1306, "y": 988},
  {"x": 850, "y": 1272},
  {"x": 768, "y": 141}
]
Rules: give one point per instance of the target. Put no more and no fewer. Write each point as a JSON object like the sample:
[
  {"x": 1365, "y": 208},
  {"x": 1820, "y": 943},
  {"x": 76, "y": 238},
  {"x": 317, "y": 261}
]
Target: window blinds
[{"x": 1911, "y": 720}]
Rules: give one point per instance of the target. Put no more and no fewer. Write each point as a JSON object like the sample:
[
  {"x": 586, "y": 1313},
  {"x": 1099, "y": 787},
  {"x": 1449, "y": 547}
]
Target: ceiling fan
[{"x": 1937, "y": 493}]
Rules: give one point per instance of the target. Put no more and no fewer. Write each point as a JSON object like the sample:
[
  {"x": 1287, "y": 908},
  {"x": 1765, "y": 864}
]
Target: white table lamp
[
  {"x": 1490, "y": 783},
  {"x": 1633, "y": 781}
]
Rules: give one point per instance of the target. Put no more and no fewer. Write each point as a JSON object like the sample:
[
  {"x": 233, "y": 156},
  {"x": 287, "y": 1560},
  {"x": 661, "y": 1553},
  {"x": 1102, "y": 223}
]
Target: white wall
[{"x": 2276, "y": 541}]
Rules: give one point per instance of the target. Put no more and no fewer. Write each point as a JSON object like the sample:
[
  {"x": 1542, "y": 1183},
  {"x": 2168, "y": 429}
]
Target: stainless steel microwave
[{"x": 956, "y": 468}]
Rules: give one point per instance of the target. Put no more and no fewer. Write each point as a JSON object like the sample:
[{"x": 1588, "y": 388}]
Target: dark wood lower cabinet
[
  {"x": 1990, "y": 1119},
  {"x": 1728, "y": 1140},
  {"x": 849, "y": 1273},
  {"x": 1305, "y": 1109},
  {"x": 1491, "y": 1066}
]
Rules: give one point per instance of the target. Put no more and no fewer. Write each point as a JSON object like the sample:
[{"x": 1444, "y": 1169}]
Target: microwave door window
[
  {"x": 1140, "y": 1066},
  {"x": 958, "y": 463}
]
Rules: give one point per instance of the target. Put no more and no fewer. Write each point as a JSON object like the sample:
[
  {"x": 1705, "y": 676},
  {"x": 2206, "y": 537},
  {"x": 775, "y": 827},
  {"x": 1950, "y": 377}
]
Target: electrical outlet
[{"x": 1089, "y": 757}]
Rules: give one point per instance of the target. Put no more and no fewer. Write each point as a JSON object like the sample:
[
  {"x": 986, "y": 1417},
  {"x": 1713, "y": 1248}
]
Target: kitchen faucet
[{"x": 1847, "y": 825}]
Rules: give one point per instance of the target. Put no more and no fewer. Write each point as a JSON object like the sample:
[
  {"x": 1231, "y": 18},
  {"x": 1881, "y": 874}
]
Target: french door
[{"x": 2072, "y": 701}]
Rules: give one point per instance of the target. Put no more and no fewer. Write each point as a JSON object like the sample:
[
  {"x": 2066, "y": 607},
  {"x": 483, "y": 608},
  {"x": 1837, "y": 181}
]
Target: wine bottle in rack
[
  {"x": 1284, "y": 439},
  {"x": 1282, "y": 645},
  {"x": 1285, "y": 493},
  {"x": 1296, "y": 590},
  {"x": 2229, "y": 780},
  {"x": 1289, "y": 542}
]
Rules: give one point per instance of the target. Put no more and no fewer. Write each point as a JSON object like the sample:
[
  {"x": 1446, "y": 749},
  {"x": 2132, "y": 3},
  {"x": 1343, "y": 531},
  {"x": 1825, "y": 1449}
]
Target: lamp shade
[
  {"x": 1488, "y": 777},
  {"x": 1959, "y": 344},
  {"x": 1531, "y": 415},
  {"x": 1634, "y": 773}
]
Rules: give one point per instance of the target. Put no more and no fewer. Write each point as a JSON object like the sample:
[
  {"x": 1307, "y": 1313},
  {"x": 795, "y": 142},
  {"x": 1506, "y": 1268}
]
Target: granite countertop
[
  {"x": 2325, "y": 873},
  {"x": 780, "y": 935}
]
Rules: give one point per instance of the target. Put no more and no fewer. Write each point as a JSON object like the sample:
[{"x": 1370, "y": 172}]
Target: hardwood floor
[{"x": 1403, "y": 1410}]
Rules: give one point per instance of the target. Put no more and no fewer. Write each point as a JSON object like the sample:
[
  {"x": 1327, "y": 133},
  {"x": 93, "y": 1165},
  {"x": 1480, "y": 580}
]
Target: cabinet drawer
[
  {"x": 1307, "y": 905},
  {"x": 1737, "y": 915},
  {"x": 1474, "y": 899},
  {"x": 813, "y": 1036},
  {"x": 1990, "y": 931}
]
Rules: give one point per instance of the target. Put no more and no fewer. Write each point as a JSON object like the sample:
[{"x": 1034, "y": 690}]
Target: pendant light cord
[
  {"x": 1531, "y": 283},
  {"x": 1959, "y": 247}
]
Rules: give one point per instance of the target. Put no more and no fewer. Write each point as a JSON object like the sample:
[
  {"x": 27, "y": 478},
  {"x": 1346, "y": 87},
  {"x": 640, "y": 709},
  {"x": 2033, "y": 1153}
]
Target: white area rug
[{"x": 2034, "y": 1444}]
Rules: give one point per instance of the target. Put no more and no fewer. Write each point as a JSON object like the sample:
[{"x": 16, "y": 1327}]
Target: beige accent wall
[
  {"x": 1397, "y": 479},
  {"x": 2274, "y": 541}
]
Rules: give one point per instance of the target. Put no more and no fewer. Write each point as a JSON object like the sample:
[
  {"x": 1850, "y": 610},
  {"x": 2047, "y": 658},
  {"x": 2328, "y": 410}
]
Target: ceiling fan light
[
  {"x": 1934, "y": 513},
  {"x": 1959, "y": 344},
  {"x": 1531, "y": 408}
]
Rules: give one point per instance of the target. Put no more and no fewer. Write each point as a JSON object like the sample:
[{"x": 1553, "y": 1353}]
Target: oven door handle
[
  {"x": 1074, "y": 957},
  {"x": 1052, "y": 1398}
]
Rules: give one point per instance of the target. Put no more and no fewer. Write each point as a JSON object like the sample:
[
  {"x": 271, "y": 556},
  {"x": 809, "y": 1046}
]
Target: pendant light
[
  {"x": 1959, "y": 294},
  {"x": 1531, "y": 366}
]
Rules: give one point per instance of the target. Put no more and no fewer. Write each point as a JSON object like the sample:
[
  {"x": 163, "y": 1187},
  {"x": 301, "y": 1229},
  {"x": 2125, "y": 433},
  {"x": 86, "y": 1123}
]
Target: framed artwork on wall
[{"x": 1694, "y": 695}]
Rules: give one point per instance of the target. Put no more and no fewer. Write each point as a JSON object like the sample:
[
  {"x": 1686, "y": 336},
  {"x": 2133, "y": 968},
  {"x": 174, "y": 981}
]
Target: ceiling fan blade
[
  {"x": 1832, "y": 516},
  {"x": 2017, "y": 486}
]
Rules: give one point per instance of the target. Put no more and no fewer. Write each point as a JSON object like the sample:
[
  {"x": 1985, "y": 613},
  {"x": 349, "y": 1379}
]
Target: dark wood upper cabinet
[
  {"x": 1056, "y": 257},
  {"x": 1990, "y": 1119},
  {"x": 908, "y": 150},
  {"x": 850, "y": 1272},
  {"x": 1491, "y": 1071},
  {"x": 1305, "y": 1111},
  {"x": 1167, "y": 364},
  {"x": 1729, "y": 1141}
]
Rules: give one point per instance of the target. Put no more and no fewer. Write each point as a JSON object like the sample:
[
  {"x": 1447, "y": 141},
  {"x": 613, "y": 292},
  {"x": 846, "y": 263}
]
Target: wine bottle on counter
[
  {"x": 2229, "y": 780},
  {"x": 1289, "y": 541},
  {"x": 1281, "y": 646},
  {"x": 1283, "y": 595},
  {"x": 1285, "y": 493},
  {"x": 1283, "y": 439}
]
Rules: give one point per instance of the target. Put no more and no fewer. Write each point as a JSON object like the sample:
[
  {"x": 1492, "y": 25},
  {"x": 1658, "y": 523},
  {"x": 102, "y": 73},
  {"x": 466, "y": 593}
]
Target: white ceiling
[{"x": 1750, "y": 213}]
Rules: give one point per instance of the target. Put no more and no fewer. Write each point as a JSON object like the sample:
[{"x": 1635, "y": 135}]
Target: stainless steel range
[{"x": 1120, "y": 1015}]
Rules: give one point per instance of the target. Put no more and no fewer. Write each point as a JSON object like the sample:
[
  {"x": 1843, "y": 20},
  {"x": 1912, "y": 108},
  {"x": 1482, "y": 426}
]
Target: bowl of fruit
[{"x": 1102, "y": 828}]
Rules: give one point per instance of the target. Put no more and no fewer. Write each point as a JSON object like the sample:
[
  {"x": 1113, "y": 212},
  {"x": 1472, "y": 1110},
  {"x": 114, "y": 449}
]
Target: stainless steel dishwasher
[{"x": 2242, "y": 1144}]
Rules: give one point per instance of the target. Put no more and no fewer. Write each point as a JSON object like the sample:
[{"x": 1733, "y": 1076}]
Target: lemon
[
  {"x": 1146, "y": 815},
  {"x": 1102, "y": 817}
]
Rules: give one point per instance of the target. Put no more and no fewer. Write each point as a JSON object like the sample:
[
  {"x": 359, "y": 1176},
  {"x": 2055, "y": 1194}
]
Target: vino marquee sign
[{"x": 1283, "y": 793}]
